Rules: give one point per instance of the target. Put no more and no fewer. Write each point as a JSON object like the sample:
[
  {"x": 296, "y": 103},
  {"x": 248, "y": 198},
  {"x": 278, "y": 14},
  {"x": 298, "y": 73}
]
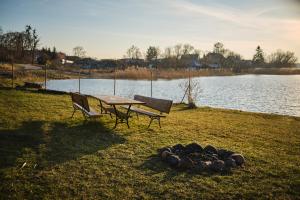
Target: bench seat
[
  {"x": 160, "y": 105},
  {"x": 143, "y": 111}
]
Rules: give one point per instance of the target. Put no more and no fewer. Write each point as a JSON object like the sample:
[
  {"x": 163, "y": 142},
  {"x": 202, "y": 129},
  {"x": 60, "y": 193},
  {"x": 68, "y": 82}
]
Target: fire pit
[{"x": 194, "y": 157}]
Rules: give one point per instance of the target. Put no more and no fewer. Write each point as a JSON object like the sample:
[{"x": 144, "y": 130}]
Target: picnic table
[{"x": 113, "y": 102}]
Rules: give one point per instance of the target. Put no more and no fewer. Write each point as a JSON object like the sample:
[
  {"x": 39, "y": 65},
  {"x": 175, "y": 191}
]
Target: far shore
[{"x": 25, "y": 73}]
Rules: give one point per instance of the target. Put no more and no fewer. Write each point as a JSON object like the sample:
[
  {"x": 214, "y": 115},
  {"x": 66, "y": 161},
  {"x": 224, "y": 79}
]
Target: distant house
[
  {"x": 132, "y": 62},
  {"x": 246, "y": 63},
  {"x": 213, "y": 60},
  {"x": 60, "y": 55},
  {"x": 191, "y": 60},
  {"x": 64, "y": 61},
  {"x": 72, "y": 58}
]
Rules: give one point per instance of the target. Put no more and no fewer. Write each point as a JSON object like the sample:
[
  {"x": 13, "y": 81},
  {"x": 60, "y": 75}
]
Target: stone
[
  {"x": 206, "y": 164},
  {"x": 223, "y": 153},
  {"x": 186, "y": 163},
  {"x": 217, "y": 165},
  {"x": 210, "y": 149},
  {"x": 173, "y": 160},
  {"x": 165, "y": 154},
  {"x": 229, "y": 163},
  {"x": 239, "y": 159},
  {"x": 193, "y": 148},
  {"x": 164, "y": 149},
  {"x": 178, "y": 149},
  {"x": 214, "y": 157}
]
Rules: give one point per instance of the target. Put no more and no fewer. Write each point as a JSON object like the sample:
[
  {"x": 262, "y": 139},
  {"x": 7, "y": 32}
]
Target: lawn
[{"x": 74, "y": 159}]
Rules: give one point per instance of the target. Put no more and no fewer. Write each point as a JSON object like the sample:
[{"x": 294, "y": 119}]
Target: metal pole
[
  {"x": 79, "y": 81},
  {"x": 189, "y": 83},
  {"x": 115, "y": 81},
  {"x": 12, "y": 75},
  {"x": 151, "y": 82},
  {"x": 45, "y": 76}
]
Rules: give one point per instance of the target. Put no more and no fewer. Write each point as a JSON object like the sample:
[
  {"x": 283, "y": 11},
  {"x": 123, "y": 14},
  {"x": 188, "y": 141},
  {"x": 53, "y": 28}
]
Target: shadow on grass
[
  {"x": 52, "y": 143},
  {"x": 154, "y": 165}
]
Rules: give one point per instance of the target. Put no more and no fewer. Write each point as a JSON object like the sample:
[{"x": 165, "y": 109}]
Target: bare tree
[
  {"x": 198, "y": 52},
  {"x": 282, "y": 59},
  {"x": 134, "y": 52},
  {"x": 192, "y": 91},
  {"x": 79, "y": 51},
  {"x": 219, "y": 48},
  {"x": 168, "y": 52},
  {"x": 178, "y": 50},
  {"x": 152, "y": 53},
  {"x": 187, "y": 49}
]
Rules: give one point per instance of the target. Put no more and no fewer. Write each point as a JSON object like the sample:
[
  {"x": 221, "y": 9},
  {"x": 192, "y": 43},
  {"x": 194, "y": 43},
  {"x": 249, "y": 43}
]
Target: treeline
[
  {"x": 19, "y": 46},
  {"x": 185, "y": 55},
  {"x": 22, "y": 47}
]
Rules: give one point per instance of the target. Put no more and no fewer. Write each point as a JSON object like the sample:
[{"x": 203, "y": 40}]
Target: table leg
[
  {"x": 116, "y": 113},
  {"x": 101, "y": 106},
  {"x": 127, "y": 117}
]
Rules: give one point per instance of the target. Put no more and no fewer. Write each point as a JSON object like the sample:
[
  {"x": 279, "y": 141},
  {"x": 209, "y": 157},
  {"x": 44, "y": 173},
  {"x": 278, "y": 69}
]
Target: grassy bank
[{"x": 68, "y": 158}]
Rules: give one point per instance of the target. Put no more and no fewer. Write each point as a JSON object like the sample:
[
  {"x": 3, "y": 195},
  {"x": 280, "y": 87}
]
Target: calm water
[{"x": 278, "y": 94}]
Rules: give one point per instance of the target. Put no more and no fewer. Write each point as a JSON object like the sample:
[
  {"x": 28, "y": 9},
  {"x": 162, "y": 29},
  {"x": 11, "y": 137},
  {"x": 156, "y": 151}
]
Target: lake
[{"x": 279, "y": 94}]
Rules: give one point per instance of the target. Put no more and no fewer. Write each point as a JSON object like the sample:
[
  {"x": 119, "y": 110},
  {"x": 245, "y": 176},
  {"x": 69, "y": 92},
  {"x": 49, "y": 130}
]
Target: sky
[{"x": 106, "y": 29}]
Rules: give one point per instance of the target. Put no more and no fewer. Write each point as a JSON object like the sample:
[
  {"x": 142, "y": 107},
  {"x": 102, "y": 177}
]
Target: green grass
[{"x": 73, "y": 159}]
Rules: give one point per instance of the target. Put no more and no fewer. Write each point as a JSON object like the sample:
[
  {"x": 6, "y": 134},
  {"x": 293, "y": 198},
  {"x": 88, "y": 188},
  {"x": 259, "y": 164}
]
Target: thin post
[
  {"x": 115, "y": 81},
  {"x": 79, "y": 81},
  {"x": 189, "y": 83},
  {"x": 151, "y": 81},
  {"x": 45, "y": 77},
  {"x": 12, "y": 74}
]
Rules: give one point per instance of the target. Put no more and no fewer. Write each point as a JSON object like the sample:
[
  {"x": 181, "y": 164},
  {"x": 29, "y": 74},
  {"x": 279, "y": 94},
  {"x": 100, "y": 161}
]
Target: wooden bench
[
  {"x": 80, "y": 102},
  {"x": 160, "y": 105}
]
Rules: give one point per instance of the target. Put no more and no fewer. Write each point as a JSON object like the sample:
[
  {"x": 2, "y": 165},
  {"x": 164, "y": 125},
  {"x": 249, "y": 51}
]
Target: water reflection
[{"x": 258, "y": 93}]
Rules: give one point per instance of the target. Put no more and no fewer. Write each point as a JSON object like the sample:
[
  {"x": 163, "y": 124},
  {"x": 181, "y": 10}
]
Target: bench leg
[
  {"x": 116, "y": 122},
  {"x": 117, "y": 118},
  {"x": 159, "y": 122},
  {"x": 152, "y": 118},
  {"x": 73, "y": 113}
]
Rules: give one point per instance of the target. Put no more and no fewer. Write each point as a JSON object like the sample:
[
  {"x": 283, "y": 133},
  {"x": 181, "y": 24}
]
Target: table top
[{"x": 116, "y": 100}]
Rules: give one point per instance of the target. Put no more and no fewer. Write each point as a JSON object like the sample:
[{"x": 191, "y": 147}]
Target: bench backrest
[
  {"x": 81, "y": 100},
  {"x": 161, "y": 105}
]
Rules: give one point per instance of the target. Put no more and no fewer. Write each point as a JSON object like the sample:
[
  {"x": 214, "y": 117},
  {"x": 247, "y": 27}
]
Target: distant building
[
  {"x": 191, "y": 60},
  {"x": 213, "y": 60},
  {"x": 132, "y": 62}
]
